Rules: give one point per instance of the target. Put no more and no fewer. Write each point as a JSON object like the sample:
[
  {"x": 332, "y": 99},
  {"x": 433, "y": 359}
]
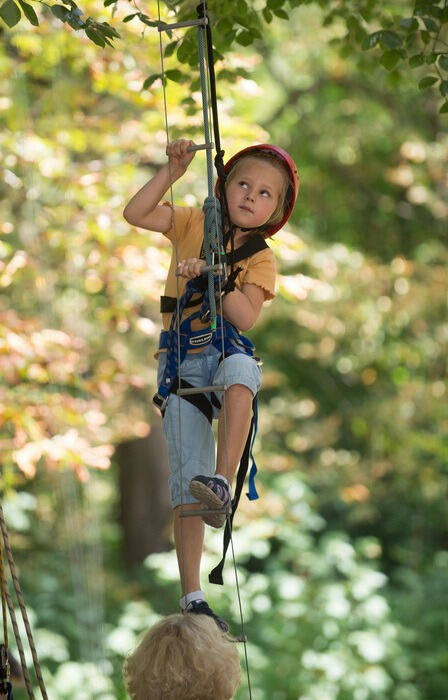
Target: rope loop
[{"x": 212, "y": 222}]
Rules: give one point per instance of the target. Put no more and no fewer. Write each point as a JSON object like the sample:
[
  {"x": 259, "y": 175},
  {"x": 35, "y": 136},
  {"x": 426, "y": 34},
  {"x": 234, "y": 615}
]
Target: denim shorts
[{"x": 191, "y": 444}]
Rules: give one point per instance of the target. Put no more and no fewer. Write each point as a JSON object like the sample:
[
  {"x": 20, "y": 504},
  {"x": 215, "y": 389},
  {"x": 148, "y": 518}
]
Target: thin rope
[
  {"x": 210, "y": 260},
  {"x": 211, "y": 247},
  {"x": 22, "y": 606},
  {"x": 246, "y": 655},
  {"x": 3, "y": 586},
  {"x": 224, "y": 409},
  {"x": 12, "y": 615},
  {"x": 180, "y": 523}
]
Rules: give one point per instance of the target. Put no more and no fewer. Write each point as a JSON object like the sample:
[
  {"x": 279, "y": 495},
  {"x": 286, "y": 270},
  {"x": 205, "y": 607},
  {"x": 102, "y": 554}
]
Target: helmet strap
[{"x": 253, "y": 228}]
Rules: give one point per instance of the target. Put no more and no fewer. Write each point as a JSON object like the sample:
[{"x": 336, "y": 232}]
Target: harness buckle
[
  {"x": 205, "y": 318},
  {"x": 160, "y": 401}
]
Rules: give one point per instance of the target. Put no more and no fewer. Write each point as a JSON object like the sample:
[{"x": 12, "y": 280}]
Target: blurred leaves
[
  {"x": 397, "y": 31},
  {"x": 343, "y": 561}
]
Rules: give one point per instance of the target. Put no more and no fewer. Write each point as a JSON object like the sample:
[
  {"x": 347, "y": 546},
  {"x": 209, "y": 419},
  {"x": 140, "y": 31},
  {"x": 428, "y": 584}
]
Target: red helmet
[{"x": 287, "y": 161}]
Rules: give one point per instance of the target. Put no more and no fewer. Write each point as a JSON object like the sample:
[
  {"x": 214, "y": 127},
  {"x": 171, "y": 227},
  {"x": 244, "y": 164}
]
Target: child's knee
[
  {"x": 239, "y": 370},
  {"x": 239, "y": 392}
]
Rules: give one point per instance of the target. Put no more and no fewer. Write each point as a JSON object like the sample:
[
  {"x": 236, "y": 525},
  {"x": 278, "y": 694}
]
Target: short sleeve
[
  {"x": 184, "y": 219},
  {"x": 262, "y": 271}
]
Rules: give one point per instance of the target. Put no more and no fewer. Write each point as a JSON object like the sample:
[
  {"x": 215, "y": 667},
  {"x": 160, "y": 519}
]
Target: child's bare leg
[
  {"x": 189, "y": 539},
  {"x": 233, "y": 429}
]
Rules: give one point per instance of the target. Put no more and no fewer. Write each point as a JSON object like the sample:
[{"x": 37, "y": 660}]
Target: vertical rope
[
  {"x": 176, "y": 258},
  {"x": 12, "y": 615},
  {"x": 3, "y": 594},
  {"x": 209, "y": 54},
  {"x": 22, "y": 606},
  {"x": 212, "y": 245}
]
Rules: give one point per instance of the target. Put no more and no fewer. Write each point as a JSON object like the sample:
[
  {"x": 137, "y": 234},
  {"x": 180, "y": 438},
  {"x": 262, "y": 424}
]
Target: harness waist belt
[{"x": 196, "y": 339}]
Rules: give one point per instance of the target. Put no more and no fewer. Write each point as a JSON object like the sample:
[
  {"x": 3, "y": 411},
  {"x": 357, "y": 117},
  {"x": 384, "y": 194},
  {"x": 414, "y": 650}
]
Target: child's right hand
[{"x": 179, "y": 157}]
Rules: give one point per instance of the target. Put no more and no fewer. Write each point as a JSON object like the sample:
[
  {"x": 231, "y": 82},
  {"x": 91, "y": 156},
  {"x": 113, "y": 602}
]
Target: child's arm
[
  {"x": 240, "y": 307},
  {"x": 144, "y": 209}
]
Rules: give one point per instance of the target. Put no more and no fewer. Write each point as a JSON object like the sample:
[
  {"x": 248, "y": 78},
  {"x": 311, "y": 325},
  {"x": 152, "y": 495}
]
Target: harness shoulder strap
[{"x": 253, "y": 245}]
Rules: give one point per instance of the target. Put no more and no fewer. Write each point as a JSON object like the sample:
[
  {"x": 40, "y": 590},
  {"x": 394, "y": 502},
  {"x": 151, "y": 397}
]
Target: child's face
[{"x": 253, "y": 192}]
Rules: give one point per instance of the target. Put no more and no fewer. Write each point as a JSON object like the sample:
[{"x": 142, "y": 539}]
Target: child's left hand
[{"x": 190, "y": 268}]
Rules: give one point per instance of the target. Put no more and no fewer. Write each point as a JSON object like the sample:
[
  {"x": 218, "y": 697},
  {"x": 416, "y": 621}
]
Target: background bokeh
[{"x": 343, "y": 562}]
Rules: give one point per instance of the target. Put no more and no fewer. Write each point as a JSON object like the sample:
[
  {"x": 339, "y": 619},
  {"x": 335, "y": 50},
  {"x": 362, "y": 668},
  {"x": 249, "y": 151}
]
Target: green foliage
[
  {"x": 10, "y": 13},
  {"x": 404, "y": 39},
  {"x": 343, "y": 562},
  {"x": 341, "y": 121}
]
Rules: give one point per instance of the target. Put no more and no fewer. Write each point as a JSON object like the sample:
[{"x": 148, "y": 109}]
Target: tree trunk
[{"x": 145, "y": 506}]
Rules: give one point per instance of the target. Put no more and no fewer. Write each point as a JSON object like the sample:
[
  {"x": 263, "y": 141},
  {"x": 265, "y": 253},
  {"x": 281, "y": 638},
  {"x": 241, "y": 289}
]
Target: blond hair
[
  {"x": 183, "y": 657},
  {"x": 277, "y": 214}
]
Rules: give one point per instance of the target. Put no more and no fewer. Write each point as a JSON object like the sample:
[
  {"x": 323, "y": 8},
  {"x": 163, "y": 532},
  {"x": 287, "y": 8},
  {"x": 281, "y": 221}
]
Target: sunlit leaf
[
  {"x": 428, "y": 82},
  {"x": 170, "y": 49},
  {"x": 416, "y": 60},
  {"x": 95, "y": 36},
  {"x": 409, "y": 23},
  {"x": 389, "y": 59},
  {"x": 370, "y": 41},
  {"x": 176, "y": 75},
  {"x": 10, "y": 13},
  {"x": 60, "y": 12},
  {"x": 29, "y": 13},
  {"x": 443, "y": 87},
  {"x": 430, "y": 24},
  {"x": 267, "y": 14},
  {"x": 390, "y": 39},
  {"x": 244, "y": 38},
  {"x": 281, "y": 13}
]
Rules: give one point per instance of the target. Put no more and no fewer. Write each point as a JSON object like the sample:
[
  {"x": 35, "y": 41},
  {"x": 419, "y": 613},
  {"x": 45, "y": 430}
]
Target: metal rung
[
  {"x": 218, "y": 268},
  {"x": 201, "y": 147},
  {"x": 178, "y": 25},
  {"x": 213, "y": 268},
  {"x": 239, "y": 638},
  {"x": 200, "y": 390},
  {"x": 190, "y": 513}
]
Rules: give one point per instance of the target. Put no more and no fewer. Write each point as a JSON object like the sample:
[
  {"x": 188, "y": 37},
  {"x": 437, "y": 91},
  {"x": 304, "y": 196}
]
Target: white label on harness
[{"x": 201, "y": 339}]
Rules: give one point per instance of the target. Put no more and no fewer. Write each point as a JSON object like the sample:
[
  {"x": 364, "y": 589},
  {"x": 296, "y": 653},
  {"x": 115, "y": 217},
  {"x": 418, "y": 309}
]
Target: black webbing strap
[
  {"x": 253, "y": 245},
  {"x": 5, "y": 685},
  {"x": 215, "y": 576},
  {"x": 6, "y": 691},
  {"x": 200, "y": 401},
  {"x": 169, "y": 304}
]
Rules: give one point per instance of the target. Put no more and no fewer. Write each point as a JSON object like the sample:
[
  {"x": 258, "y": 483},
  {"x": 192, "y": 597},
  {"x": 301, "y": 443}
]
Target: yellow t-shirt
[{"x": 186, "y": 235}]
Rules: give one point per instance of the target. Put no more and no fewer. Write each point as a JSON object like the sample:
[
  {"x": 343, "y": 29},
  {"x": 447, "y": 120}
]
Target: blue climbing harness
[{"x": 179, "y": 339}]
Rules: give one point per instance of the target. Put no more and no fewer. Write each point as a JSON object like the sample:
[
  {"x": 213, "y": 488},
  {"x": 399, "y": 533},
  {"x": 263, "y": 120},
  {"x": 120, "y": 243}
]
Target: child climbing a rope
[
  {"x": 183, "y": 658},
  {"x": 261, "y": 185}
]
